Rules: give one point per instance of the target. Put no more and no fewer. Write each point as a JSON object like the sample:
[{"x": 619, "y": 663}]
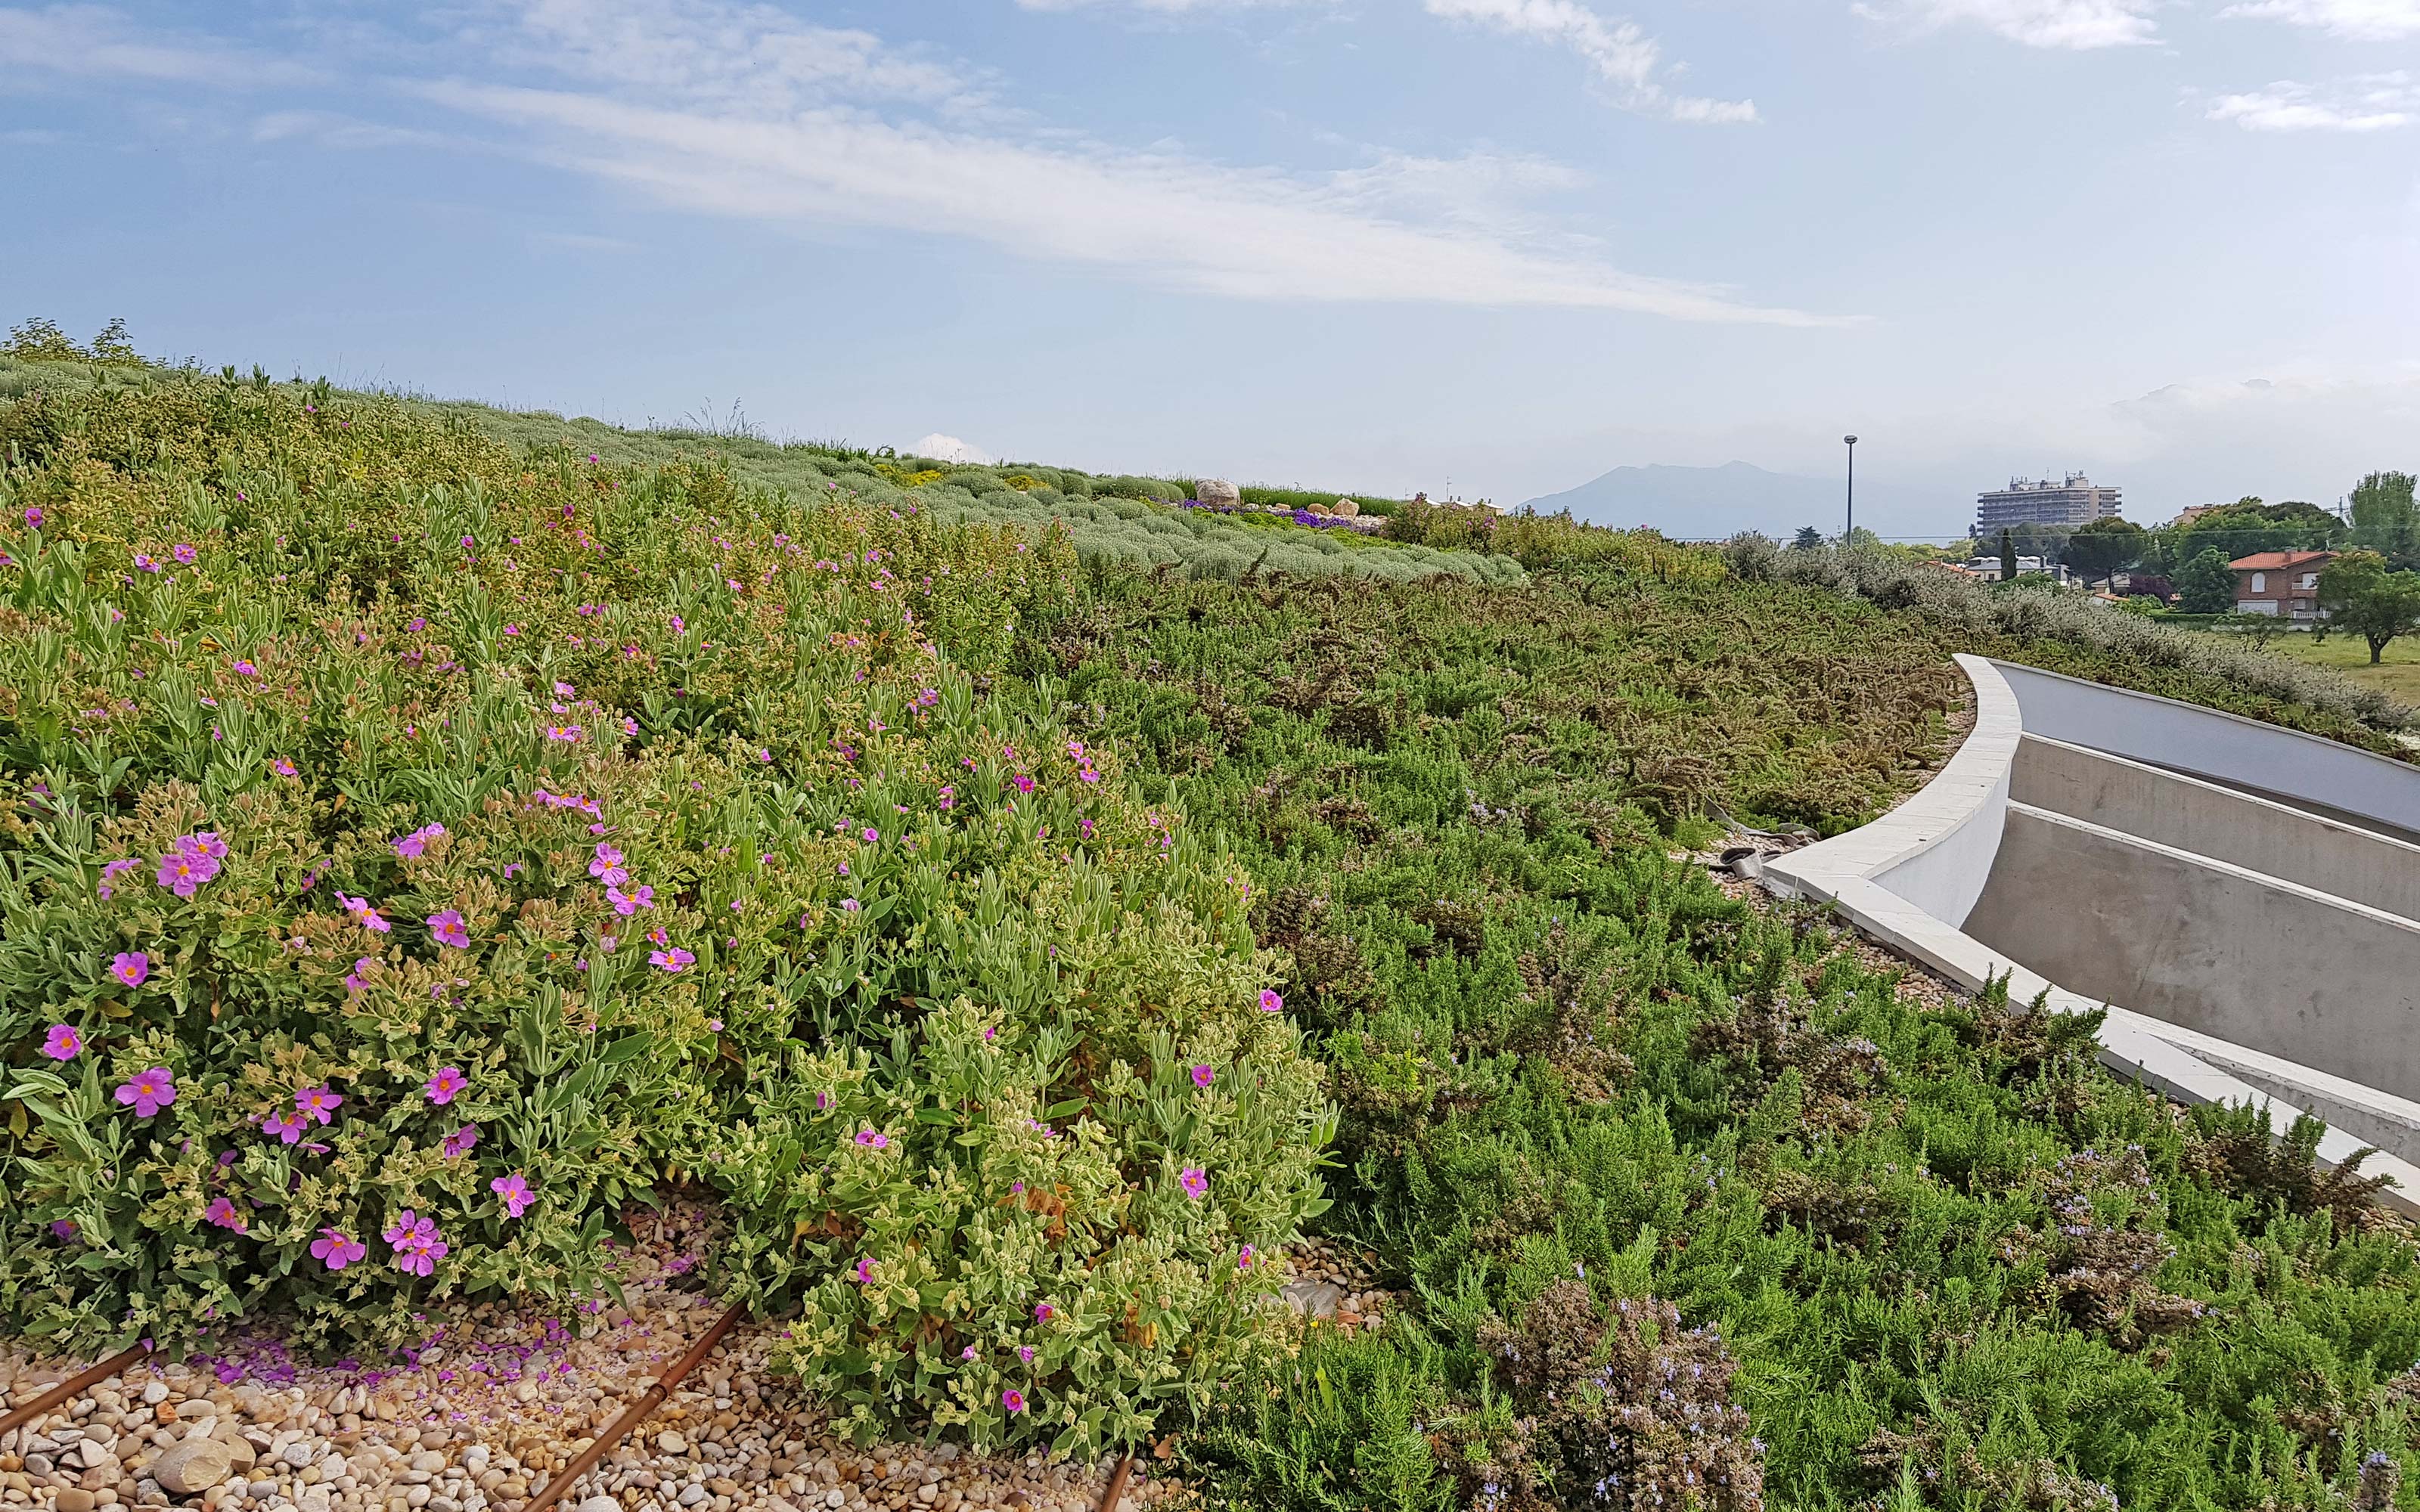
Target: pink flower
[
  {"x": 671, "y": 959},
  {"x": 865, "y": 1272},
  {"x": 441, "y": 1086},
  {"x": 626, "y": 903},
  {"x": 355, "y": 981},
  {"x": 282, "y": 767},
  {"x": 245, "y": 668},
  {"x": 563, "y": 690},
  {"x": 336, "y": 1249},
  {"x": 1013, "y": 1399},
  {"x": 183, "y": 553},
  {"x": 222, "y": 1213},
  {"x": 148, "y": 1092},
  {"x": 949, "y": 799},
  {"x": 1244, "y": 1258},
  {"x": 1204, "y": 1076},
  {"x": 184, "y": 873},
  {"x": 33, "y": 520},
  {"x": 63, "y": 1043},
  {"x": 115, "y": 870},
  {"x": 364, "y": 915},
  {"x": 870, "y": 835},
  {"x": 1271, "y": 1002},
  {"x": 447, "y": 929},
  {"x": 1196, "y": 1183},
  {"x": 567, "y": 733},
  {"x": 460, "y": 1141},
  {"x": 515, "y": 1192},
  {"x": 285, "y": 1126},
  {"x": 317, "y": 1104},
  {"x": 873, "y": 1139},
  {"x": 410, "y": 845},
  {"x": 204, "y": 844},
  {"x": 418, "y": 1246},
  {"x": 606, "y": 865},
  {"x": 1042, "y": 1312},
  {"x": 967, "y": 1353},
  {"x": 144, "y": 564},
  {"x": 130, "y": 968},
  {"x": 1025, "y": 1352}
]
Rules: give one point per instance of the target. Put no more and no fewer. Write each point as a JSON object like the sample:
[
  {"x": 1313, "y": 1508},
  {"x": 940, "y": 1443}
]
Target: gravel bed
[{"x": 497, "y": 1399}]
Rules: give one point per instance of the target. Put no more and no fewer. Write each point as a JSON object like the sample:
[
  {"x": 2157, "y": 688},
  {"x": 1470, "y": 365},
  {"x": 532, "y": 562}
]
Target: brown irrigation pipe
[
  {"x": 586, "y": 1460},
  {"x": 66, "y": 1389},
  {"x": 1117, "y": 1484}
]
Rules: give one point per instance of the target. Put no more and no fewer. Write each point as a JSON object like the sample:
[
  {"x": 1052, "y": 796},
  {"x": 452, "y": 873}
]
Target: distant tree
[
  {"x": 2008, "y": 556},
  {"x": 2105, "y": 547},
  {"x": 2206, "y": 586},
  {"x": 2361, "y": 595},
  {"x": 1807, "y": 539},
  {"x": 2048, "y": 542},
  {"x": 2258, "y": 628},
  {"x": 2384, "y": 519}
]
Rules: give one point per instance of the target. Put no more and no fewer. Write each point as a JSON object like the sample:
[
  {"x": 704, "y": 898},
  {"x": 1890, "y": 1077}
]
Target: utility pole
[{"x": 1851, "y": 528}]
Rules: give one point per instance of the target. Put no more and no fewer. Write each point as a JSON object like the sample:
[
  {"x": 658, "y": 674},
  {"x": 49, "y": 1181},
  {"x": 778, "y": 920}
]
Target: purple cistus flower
[
  {"x": 130, "y": 968},
  {"x": 442, "y": 1086},
  {"x": 460, "y": 1141},
  {"x": 1271, "y": 1002},
  {"x": 446, "y": 928},
  {"x": 148, "y": 1092},
  {"x": 1195, "y": 1181},
  {"x": 317, "y": 1104},
  {"x": 222, "y": 1213},
  {"x": 286, "y": 1126},
  {"x": 873, "y": 1139},
  {"x": 336, "y": 1249},
  {"x": 1013, "y": 1399},
  {"x": 673, "y": 960},
  {"x": 515, "y": 1192},
  {"x": 1203, "y": 1076},
  {"x": 63, "y": 1043}
]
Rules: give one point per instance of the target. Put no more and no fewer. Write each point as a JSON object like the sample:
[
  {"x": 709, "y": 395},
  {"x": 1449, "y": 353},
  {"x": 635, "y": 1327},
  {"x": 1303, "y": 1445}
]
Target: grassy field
[
  {"x": 2396, "y": 673},
  {"x": 1037, "y": 940}
]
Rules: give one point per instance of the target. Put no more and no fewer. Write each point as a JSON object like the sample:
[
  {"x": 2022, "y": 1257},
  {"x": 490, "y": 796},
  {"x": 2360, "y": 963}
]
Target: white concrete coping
[{"x": 1909, "y": 879}]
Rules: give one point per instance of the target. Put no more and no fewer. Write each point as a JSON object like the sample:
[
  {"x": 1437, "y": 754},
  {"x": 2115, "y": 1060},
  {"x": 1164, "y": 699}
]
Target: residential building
[
  {"x": 2076, "y": 501},
  {"x": 2281, "y": 582},
  {"x": 1988, "y": 568}
]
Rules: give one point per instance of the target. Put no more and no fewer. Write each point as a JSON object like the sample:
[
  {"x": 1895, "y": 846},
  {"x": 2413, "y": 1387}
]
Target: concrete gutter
[{"x": 1912, "y": 877}]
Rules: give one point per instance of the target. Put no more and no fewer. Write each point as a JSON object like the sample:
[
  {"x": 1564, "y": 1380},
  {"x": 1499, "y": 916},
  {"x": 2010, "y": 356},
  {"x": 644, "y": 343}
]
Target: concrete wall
[
  {"x": 1938, "y": 850},
  {"x": 2212, "y": 948},
  {"x": 2170, "y": 808},
  {"x": 2224, "y": 746}
]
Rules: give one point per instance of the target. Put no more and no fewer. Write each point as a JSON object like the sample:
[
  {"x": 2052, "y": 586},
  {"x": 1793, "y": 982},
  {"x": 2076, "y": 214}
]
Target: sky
[{"x": 1476, "y": 247}]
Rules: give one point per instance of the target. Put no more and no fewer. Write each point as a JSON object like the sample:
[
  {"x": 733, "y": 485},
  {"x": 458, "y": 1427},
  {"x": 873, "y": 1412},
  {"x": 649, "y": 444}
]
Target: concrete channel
[{"x": 2244, "y": 898}]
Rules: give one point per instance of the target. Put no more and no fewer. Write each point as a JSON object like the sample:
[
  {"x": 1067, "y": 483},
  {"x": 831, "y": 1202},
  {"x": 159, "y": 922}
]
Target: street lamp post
[{"x": 1852, "y": 490}]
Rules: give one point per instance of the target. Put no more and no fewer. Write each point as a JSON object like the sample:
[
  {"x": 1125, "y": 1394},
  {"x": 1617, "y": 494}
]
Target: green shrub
[{"x": 643, "y": 825}]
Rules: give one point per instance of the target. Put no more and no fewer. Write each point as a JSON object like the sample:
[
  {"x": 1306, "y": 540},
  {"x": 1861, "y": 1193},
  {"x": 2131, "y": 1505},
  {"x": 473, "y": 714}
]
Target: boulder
[
  {"x": 1217, "y": 491},
  {"x": 194, "y": 1465},
  {"x": 1347, "y": 508}
]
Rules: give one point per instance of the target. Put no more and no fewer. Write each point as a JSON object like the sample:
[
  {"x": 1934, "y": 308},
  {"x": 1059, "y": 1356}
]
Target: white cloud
[
  {"x": 950, "y": 448},
  {"x": 2376, "y": 102},
  {"x": 2074, "y": 24},
  {"x": 326, "y": 129},
  {"x": 1622, "y": 55},
  {"x": 2368, "y": 21},
  {"x": 98, "y": 41},
  {"x": 737, "y": 111}
]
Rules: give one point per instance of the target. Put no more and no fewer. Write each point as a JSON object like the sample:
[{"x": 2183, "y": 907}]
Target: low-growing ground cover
[
  {"x": 1922, "y": 1251},
  {"x": 419, "y": 849}
]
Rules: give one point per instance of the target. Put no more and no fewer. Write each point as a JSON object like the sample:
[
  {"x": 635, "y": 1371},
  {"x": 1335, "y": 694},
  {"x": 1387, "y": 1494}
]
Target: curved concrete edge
[{"x": 1954, "y": 822}]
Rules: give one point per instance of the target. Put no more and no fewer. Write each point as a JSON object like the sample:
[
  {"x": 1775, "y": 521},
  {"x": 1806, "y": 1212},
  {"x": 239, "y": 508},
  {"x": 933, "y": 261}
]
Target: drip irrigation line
[
  {"x": 1117, "y": 1484},
  {"x": 69, "y": 1387},
  {"x": 586, "y": 1460}
]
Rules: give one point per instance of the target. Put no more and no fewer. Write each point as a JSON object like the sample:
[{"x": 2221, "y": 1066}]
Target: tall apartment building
[{"x": 2078, "y": 501}]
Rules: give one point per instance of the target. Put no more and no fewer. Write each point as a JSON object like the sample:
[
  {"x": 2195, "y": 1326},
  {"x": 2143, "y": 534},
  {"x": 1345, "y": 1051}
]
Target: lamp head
[{"x": 1851, "y": 440}]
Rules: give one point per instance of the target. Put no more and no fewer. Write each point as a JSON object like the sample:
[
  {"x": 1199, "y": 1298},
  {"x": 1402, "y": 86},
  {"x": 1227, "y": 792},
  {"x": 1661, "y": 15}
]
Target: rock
[
  {"x": 428, "y": 1461},
  {"x": 299, "y": 1453},
  {"x": 835, "y": 1497},
  {"x": 600, "y": 1503},
  {"x": 154, "y": 1393},
  {"x": 1217, "y": 491},
  {"x": 92, "y": 1453},
  {"x": 314, "y": 1499},
  {"x": 193, "y": 1466},
  {"x": 671, "y": 1444},
  {"x": 692, "y": 1494},
  {"x": 1313, "y": 1299},
  {"x": 75, "y": 1499},
  {"x": 1347, "y": 508}
]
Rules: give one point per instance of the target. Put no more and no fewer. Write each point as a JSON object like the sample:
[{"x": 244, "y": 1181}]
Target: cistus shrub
[{"x": 414, "y": 854}]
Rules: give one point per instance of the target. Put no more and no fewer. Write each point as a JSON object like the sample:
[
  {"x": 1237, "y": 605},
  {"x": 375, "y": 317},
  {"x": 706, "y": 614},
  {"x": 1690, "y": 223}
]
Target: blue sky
[{"x": 1490, "y": 246}]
